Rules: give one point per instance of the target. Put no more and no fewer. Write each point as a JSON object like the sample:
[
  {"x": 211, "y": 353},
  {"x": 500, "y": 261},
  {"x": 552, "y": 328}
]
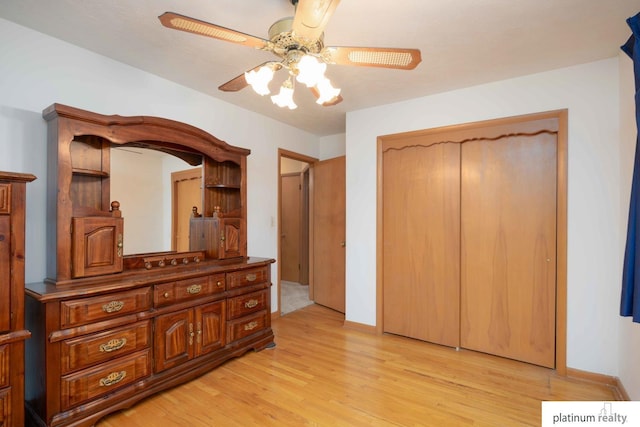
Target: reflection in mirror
[{"x": 141, "y": 181}]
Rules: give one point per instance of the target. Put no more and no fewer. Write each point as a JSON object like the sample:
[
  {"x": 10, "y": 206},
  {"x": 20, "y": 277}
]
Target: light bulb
[
  {"x": 259, "y": 80},
  {"x": 310, "y": 70}
]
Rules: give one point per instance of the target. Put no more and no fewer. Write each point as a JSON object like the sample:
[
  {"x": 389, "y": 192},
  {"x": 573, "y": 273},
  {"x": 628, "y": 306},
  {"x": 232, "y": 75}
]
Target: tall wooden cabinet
[
  {"x": 110, "y": 329},
  {"x": 12, "y": 326}
]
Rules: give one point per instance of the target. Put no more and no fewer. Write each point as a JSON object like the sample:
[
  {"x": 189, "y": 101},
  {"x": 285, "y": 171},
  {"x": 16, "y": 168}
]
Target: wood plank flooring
[{"x": 321, "y": 374}]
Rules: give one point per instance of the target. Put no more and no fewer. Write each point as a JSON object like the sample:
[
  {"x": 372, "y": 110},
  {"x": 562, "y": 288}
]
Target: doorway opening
[{"x": 294, "y": 284}]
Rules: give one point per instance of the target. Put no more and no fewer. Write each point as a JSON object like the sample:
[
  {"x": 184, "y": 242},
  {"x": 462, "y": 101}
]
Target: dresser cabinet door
[
  {"x": 174, "y": 337},
  {"x": 96, "y": 246},
  {"x": 5, "y": 290},
  {"x": 186, "y": 334},
  {"x": 5, "y": 407},
  {"x": 209, "y": 328},
  {"x": 231, "y": 238}
]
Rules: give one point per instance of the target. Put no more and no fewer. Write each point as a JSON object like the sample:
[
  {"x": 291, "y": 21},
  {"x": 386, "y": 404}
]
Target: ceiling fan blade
[
  {"x": 312, "y": 17},
  {"x": 195, "y": 26},
  {"x": 239, "y": 82},
  {"x": 403, "y": 59},
  {"x": 338, "y": 99}
]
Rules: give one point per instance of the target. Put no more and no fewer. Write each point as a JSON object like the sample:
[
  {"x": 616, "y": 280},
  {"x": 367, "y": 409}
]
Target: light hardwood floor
[{"x": 322, "y": 374}]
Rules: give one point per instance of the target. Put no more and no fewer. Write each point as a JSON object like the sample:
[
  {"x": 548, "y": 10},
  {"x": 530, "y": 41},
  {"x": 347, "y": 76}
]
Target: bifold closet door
[
  {"x": 421, "y": 235},
  {"x": 508, "y": 245}
]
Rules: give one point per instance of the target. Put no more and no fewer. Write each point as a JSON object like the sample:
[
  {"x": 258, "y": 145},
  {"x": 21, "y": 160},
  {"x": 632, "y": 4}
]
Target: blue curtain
[{"x": 630, "y": 300}]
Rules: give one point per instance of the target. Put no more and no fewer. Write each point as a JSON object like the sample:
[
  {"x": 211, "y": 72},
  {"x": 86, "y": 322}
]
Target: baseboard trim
[
  {"x": 608, "y": 380},
  {"x": 360, "y": 327}
]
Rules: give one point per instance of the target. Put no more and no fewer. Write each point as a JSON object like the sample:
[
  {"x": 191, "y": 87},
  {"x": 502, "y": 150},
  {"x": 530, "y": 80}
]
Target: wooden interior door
[
  {"x": 421, "y": 232},
  {"x": 187, "y": 193},
  {"x": 290, "y": 227},
  {"x": 329, "y": 233},
  {"x": 508, "y": 254}
]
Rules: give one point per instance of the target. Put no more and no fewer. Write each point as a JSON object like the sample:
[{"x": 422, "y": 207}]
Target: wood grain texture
[
  {"x": 421, "y": 214},
  {"x": 290, "y": 226},
  {"x": 329, "y": 233},
  {"x": 321, "y": 374},
  {"x": 508, "y": 246}
]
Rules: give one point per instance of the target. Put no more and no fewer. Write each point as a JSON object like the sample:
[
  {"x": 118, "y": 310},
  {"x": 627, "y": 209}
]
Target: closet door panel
[
  {"x": 421, "y": 227},
  {"x": 508, "y": 246}
]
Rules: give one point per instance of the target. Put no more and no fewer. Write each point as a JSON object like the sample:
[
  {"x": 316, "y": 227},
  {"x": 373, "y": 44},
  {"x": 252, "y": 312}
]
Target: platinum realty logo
[{"x": 574, "y": 413}]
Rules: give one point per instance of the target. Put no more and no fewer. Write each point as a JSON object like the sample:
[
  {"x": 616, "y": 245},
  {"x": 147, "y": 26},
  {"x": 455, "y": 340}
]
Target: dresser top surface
[{"x": 50, "y": 290}]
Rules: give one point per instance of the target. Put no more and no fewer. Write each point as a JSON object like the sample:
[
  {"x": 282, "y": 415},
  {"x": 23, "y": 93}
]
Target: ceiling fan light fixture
[
  {"x": 310, "y": 70},
  {"x": 260, "y": 79},
  {"x": 285, "y": 97},
  {"x": 326, "y": 91}
]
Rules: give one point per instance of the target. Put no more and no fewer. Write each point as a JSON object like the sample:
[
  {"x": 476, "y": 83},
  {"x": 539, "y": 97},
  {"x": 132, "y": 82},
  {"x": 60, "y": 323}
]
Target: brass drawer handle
[
  {"x": 113, "y": 345},
  {"x": 219, "y": 284},
  {"x": 250, "y": 326},
  {"x": 194, "y": 289},
  {"x": 112, "y": 379},
  {"x": 251, "y": 303},
  {"x": 251, "y": 277},
  {"x": 113, "y": 307}
]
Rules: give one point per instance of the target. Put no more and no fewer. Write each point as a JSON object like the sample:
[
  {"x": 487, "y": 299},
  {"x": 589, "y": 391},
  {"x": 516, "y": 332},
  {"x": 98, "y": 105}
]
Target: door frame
[
  {"x": 561, "y": 217},
  {"x": 310, "y": 161}
]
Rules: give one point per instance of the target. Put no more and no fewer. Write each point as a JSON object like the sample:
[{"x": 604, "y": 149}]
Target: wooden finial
[{"x": 115, "y": 209}]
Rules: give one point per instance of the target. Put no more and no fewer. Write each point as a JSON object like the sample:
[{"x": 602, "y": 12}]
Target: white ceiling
[{"x": 463, "y": 43}]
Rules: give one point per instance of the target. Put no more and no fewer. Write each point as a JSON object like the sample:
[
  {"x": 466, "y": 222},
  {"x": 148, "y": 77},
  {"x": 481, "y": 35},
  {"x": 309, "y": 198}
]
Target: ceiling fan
[{"x": 298, "y": 42}]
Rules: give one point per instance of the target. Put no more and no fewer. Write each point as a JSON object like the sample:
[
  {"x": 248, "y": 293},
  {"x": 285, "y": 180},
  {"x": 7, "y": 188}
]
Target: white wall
[
  {"x": 629, "y": 331},
  {"x": 37, "y": 71},
  {"x": 332, "y": 146},
  {"x": 590, "y": 93}
]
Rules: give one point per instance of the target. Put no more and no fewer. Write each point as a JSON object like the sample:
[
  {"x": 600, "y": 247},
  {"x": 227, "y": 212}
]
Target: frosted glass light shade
[
  {"x": 326, "y": 90},
  {"x": 310, "y": 70},
  {"x": 285, "y": 97},
  {"x": 260, "y": 79}
]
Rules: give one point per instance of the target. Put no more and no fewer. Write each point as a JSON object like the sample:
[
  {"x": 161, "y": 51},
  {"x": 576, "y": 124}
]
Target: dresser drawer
[
  {"x": 94, "y": 382},
  {"x": 79, "y": 353},
  {"x": 247, "y": 304},
  {"x": 184, "y": 290},
  {"x": 247, "y": 277},
  {"x": 87, "y": 310},
  {"x": 245, "y": 326}
]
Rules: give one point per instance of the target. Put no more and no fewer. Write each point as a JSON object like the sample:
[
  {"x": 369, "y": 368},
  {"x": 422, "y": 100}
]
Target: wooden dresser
[
  {"x": 109, "y": 329},
  {"x": 107, "y": 343},
  {"x": 12, "y": 326}
]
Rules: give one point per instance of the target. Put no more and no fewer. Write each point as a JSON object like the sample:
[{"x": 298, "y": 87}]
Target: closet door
[
  {"x": 421, "y": 234},
  {"x": 508, "y": 245}
]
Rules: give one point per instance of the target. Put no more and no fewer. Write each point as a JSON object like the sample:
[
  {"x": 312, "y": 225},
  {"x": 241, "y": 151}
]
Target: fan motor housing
[{"x": 285, "y": 40}]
